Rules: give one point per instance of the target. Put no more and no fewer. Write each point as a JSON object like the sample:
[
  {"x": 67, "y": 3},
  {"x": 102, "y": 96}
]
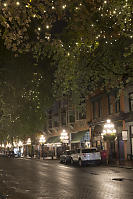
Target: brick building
[
  {"x": 65, "y": 115},
  {"x": 102, "y": 106}
]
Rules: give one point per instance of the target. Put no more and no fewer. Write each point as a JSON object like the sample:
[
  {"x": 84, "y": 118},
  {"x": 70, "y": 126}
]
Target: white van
[{"x": 86, "y": 156}]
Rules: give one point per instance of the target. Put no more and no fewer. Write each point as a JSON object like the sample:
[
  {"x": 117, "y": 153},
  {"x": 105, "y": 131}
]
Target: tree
[
  {"x": 89, "y": 42},
  {"x": 26, "y": 94}
]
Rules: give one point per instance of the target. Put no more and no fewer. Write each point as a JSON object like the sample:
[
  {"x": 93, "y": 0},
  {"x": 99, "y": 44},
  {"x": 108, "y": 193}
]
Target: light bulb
[
  {"x": 5, "y": 4},
  {"x": 17, "y": 3}
]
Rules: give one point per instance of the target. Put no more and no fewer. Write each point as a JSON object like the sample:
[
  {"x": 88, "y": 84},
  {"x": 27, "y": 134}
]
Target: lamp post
[
  {"x": 20, "y": 145},
  {"x": 28, "y": 143},
  {"x": 108, "y": 128},
  {"x": 109, "y": 134},
  {"x": 42, "y": 140},
  {"x": 64, "y": 138}
]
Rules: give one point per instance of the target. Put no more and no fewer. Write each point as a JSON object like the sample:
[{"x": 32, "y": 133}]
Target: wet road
[{"x": 48, "y": 179}]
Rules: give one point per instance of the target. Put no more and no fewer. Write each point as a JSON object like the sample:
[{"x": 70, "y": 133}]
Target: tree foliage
[
  {"x": 25, "y": 96},
  {"x": 87, "y": 44}
]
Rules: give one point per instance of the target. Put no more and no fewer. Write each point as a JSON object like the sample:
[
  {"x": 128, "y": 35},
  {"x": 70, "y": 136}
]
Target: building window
[
  {"x": 55, "y": 124},
  {"x": 50, "y": 124},
  {"x": 110, "y": 104},
  {"x": 97, "y": 109},
  {"x": 63, "y": 119},
  {"x": 82, "y": 115},
  {"x": 71, "y": 117},
  {"x": 94, "y": 110},
  {"x": 131, "y": 101},
  {"x": 117, "y": 104}
]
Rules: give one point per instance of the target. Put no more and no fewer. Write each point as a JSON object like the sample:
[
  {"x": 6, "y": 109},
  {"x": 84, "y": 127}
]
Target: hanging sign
[{"x": 124, "y": 135}]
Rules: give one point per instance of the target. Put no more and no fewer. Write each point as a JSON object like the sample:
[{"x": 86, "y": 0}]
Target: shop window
[{"x": 131, "y": 101}]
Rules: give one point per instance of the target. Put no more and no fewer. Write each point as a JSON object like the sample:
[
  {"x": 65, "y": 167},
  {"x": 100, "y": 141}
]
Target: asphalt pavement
[{"x": 48, "y": 179}]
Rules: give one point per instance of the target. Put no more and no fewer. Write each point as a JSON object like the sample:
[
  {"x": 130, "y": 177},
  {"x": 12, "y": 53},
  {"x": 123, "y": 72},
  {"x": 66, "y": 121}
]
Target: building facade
[
  {"x": 65, "y": 115},
  {"x": 102, "y": 106}
]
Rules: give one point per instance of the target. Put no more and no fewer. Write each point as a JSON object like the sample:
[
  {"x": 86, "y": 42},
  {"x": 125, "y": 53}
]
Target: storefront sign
[{"x": 124, "y": 135}]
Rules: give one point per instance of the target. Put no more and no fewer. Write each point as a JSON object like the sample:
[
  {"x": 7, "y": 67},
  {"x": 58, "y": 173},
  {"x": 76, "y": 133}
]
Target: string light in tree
[
  {"x": 17, "y": 3},
  {"x": 47, "y": 26},
  {"x": 64, "y": 6},
  {"x": 5, "y": 4}
]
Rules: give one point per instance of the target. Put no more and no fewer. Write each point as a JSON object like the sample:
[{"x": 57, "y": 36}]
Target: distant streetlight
[
  {"x": 8, "y": 145},
  {"x": 28, "y": 141},
  {"x": 64, "y": 137},
  {"x": 42, "y": 140},
  {"x": 20, "y": 143}
]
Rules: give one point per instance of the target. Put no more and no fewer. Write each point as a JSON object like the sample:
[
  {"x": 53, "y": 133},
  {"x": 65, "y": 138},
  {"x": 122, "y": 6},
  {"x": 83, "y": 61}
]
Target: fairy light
[
  {"x": 47, "y": 26},
  {"x": 17, "y": 3},
  {"x": 39, "y": 28},
  {"x": 64, "y": 6},
  {"x": 5, "y": 4}
]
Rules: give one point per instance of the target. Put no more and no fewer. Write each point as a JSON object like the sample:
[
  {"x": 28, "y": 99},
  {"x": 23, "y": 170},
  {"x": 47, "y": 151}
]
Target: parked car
[
  {"x": 85, "y": 156},
  {"x": 66, "y": 157}
]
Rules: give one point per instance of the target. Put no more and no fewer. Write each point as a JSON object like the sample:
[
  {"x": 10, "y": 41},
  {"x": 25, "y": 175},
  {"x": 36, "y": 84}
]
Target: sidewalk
[
  {"x": 128, "y": 164},
  {"x": 41, "y": 158}
]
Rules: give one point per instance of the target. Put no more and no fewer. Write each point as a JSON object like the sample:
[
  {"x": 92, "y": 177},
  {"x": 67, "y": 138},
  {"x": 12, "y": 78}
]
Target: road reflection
[{"x": 37, "y": 179}]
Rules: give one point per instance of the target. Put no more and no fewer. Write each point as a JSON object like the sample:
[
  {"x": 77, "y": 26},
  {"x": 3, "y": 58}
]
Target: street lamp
[
  {"x": 28, "y": 143},
  {"x": 21, "y": 150},
  {"x": 64, "y": 137},
  {"x": 108, "y": 128},
  {"x": 109, "y": 134},
  {"x": 42, "y": 140},
  {"x": 8, "y": 145}
]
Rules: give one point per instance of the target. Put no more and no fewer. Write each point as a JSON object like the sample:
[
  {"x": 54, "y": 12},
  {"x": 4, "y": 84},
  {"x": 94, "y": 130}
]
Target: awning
[
  {"x": 53, "y": 140},
  {"x": 80, "y": 136}
]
